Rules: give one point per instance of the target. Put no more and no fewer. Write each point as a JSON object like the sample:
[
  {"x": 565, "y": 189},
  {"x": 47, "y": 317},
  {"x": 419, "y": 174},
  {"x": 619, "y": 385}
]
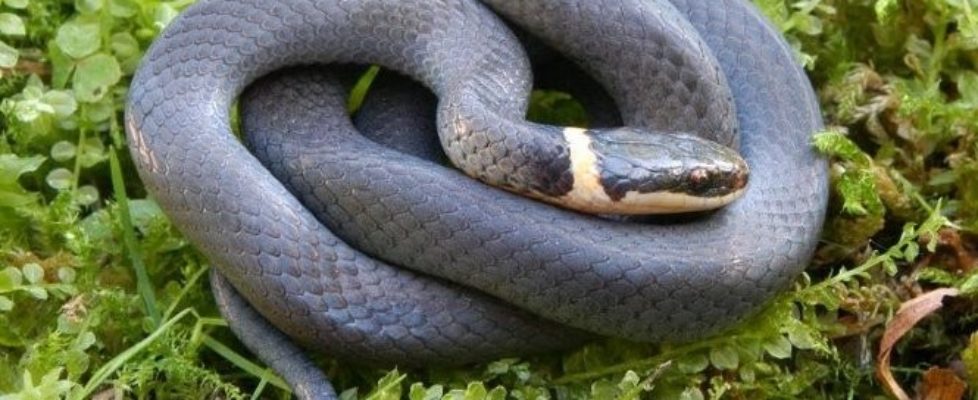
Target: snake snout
[{"x": 723, "y": 175}]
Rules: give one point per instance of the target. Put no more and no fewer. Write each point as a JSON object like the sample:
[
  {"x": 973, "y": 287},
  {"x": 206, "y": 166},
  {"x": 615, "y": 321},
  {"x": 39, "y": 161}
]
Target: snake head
[{"x": 629, "y": 171}]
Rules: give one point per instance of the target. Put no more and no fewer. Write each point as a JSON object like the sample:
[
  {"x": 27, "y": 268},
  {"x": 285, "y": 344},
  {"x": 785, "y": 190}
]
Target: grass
[{"x": 100, "y": 295}]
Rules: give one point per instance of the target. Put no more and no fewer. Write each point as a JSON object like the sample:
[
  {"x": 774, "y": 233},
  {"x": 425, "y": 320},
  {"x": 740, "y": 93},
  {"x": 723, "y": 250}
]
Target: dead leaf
[
  {"x": 941, "y": 384},
  {"x": 909, "y": 314}
]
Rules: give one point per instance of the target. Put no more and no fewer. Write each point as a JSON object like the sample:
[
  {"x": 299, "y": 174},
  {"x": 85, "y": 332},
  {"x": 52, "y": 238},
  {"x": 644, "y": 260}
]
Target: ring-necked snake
[{"x": 497, "y": 273}]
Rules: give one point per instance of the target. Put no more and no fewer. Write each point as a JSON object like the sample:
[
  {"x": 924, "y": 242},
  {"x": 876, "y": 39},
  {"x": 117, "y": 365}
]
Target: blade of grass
[
  {"x": 197, "y": 333},
  {"x": 259, "y": 389},
  {"x": 359, "y": 90},
  {"x": 187, "y": 287},
  {"x": 143, "y": 285},
  {"x": 78, "y": 158},
  {"x": 243, "y": 363}
]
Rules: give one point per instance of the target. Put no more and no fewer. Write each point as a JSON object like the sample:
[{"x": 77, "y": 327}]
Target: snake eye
[
  {"x": 698, "y": 176},
  {"x": 701, "y": 181}
]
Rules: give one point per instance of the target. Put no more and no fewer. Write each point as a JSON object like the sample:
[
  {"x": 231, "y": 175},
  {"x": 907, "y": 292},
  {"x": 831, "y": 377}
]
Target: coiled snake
[{"x": 665, "y": 281}]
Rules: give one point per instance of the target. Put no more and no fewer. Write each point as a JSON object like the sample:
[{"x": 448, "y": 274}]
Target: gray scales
[{"x": 511, "y": 272}]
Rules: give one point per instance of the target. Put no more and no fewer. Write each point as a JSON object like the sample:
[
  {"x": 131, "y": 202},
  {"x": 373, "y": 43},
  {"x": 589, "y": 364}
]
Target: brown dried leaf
[
  {"x": 909, "y": 314},
  {"x": 941, "y": 384}
]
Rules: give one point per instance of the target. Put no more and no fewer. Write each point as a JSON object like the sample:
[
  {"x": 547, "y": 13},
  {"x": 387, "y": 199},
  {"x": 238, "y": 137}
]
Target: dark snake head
[{"x": 629, "y": 171}]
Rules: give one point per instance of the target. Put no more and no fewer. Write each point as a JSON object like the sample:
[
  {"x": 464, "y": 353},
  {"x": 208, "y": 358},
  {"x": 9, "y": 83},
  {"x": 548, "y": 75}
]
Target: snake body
[{"x": 488, "y": 250}]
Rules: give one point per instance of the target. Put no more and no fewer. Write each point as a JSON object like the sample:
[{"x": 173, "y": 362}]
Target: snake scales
[{"x": 318, "y": 285}]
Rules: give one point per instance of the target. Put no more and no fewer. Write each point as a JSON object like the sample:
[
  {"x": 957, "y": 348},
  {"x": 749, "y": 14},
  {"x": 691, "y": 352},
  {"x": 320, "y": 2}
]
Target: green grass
[{"x": 99, "y": 294}]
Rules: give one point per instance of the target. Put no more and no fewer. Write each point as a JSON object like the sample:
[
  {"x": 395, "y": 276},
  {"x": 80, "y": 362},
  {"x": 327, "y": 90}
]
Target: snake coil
[{"x": 486, "y": 273}]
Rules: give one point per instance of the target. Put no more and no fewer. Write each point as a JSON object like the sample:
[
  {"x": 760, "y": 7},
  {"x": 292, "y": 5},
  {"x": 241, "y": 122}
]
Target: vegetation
[{"x": 100, "y": 295}]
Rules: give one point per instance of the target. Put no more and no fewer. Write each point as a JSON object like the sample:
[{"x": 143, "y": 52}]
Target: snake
[{"x": 341, "y": 244}]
